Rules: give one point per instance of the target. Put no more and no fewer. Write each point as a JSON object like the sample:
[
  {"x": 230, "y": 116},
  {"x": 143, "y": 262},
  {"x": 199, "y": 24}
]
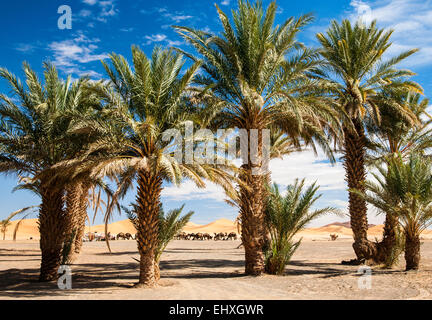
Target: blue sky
[{"x": 29, "y": 33}]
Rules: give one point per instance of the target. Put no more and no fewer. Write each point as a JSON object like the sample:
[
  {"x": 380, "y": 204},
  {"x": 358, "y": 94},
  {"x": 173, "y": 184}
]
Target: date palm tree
[
  {"x": 33, "y": 138},
  {"x": 142, "y": 103},
  {"x": 404, "y": 190},
  {"x": 259, "y": 76},
  {"x": 286, "y": 216},
  {"x": 396, "y": 136},
  {"x": 355, "y": 63}
]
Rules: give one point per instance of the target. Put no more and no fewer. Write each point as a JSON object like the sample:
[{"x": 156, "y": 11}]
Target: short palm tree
[
  {"x": 33, "y": 138},
  {"x": 286, "y": 216},
  {"x": 356, "y": 67},
  {"x": 259, "y": 76},
  {"x": 170, "y": 224},
  {"x": 141, "y": 104},
  {"x": 404, "y": 190}
]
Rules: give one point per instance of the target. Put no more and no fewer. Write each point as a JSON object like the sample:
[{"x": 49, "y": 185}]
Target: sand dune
[{"x": 29, "y": 229}]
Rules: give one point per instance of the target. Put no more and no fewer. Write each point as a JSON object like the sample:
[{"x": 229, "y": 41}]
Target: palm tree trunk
[
  {"x": 52, "y": 224},
  {"x": 356, "y": 175},
  {"x": 73, "y": 202},
  {"x": 388, "y": 244},
  {"x": 252, "y": 201},
  {"x": 148, "y": 205},
  {"x": 412, "y": 251},
  {"x": 81, "y": 219},
  {"x": 157, "y": 271}
]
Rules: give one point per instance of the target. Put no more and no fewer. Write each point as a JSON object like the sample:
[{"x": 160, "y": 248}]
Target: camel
[
  {"x": 333, "y": 237},
  {"x": 232, "y": 236},
  {"x": 121, "y": 235}
]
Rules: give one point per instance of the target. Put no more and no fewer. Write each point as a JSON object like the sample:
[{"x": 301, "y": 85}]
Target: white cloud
[
  {"x": 25, "y": 48},
  {"x": 283, "y": 171},
  {"x": 176, "y": 16},
  {"x": 90, "y": 2},
  {"x": 411, "y": 20},
  {"x": 69, "y": 55},
  {"x": 155, "y": 38},
  {"x": 107, "y": 9},
  {"x": 313, "y": 168},
  {"x": 161, "y": 38},
  {"x": 189, "y": 191},
  {"x": 225, "y": 2},
  {"x": 85, "y": 13}
]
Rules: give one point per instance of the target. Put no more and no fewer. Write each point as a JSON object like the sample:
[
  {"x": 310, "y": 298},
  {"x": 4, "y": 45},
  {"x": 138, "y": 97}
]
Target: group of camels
[{"x": 206, "y": 236}]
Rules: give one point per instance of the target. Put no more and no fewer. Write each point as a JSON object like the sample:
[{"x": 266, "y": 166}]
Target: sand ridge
[{"x": 29, "y": 229}]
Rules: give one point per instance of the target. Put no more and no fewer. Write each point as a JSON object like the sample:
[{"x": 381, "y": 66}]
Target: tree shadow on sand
[
  {"x": 329, "y": 270},
  {"x": 103, "y": 277}
]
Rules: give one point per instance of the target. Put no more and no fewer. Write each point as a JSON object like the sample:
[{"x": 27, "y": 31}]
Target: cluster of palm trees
[{"x": 68, "y": 136}]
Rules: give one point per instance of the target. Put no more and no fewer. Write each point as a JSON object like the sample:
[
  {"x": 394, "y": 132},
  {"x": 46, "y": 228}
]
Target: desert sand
[{"x": 210, "y": 270}]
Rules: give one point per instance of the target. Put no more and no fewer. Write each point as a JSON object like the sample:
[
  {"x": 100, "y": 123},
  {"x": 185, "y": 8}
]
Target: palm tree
[
  {"x": 395, "y": 134},
  {"x": 404, "y": 190},
  {"x": 354, "y": 60},
  {"x": 286, "y": 216},
  {"x": 392, "y": 137},
  {"x": 33, "y": 138},
  {"x": 141, "y": 104},
  {"x": 258, "y": 76},
  {"x": 170, "y": 224}
]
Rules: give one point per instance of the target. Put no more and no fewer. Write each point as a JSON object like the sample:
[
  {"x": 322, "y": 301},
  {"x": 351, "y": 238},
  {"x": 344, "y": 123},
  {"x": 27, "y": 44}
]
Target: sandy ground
[{"x": 210, "y": 270}]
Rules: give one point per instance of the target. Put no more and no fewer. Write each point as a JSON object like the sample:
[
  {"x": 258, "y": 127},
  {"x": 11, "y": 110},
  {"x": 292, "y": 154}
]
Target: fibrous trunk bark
[
  {"x": 81, "y": 218},
  {"x": 386, "y": 248},
  {"x": 148, "y": 205},
  {"x": 73, "y": 202},
  {"x": 252, "y": 201},
  {"x": 52, "y": 223},
  {"x": 356, "y": 175},
  {"x": 412, "y": 252}
]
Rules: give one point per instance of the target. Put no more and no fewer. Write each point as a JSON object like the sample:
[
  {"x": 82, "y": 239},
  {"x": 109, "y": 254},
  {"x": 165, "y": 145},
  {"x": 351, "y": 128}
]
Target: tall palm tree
[
  {"x": 257, "y": 76},
  {"x": 355, "y": 64},
  {"x": 396, "y": 136},
  {"x": 33, "y": 138},
  {"x": 404, "y": 190},
  {"x": 141, "y": 104}
]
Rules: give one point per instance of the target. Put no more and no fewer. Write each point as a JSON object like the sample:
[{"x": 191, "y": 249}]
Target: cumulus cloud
[
  {"x": 69, "y": 55},
  {"x": 411, "y": 20}
]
